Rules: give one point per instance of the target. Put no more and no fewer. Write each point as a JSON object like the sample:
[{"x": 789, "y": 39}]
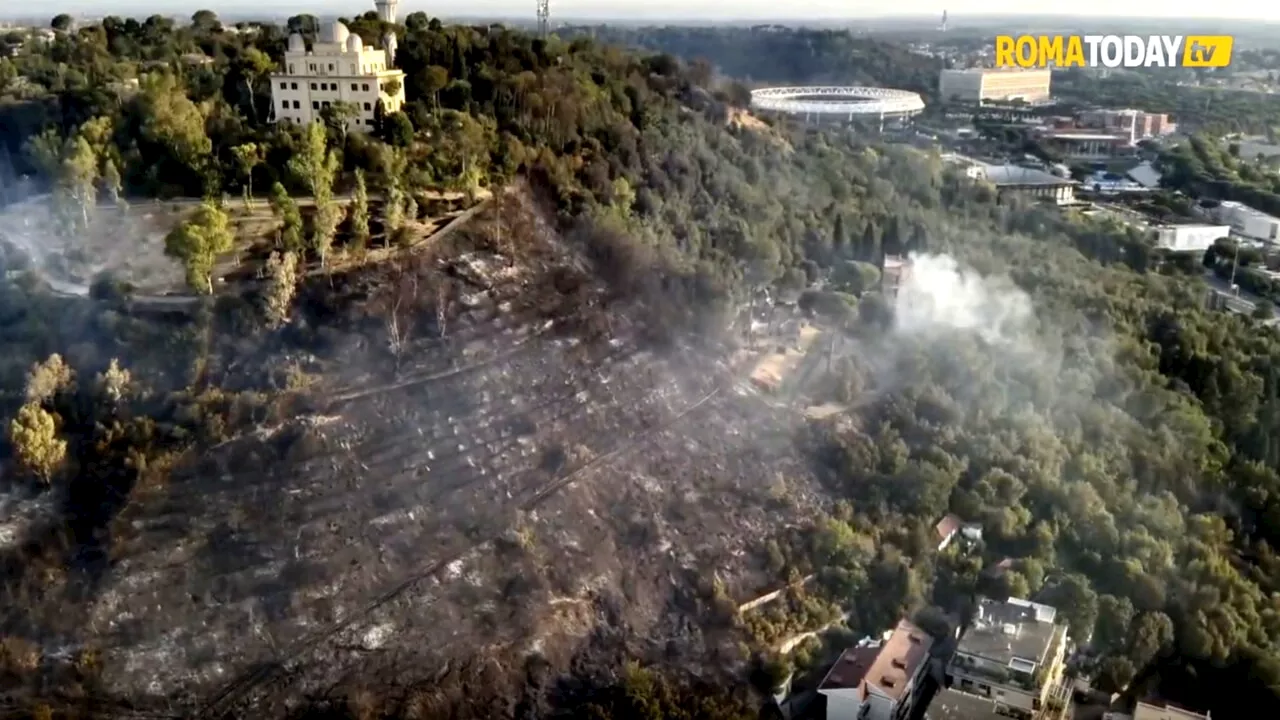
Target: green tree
[
  {"x": 248, "y": 157},
  {"x": 338, "y": 116},
  {"x": 282, "y": 275},
  {"x": 314, "y": 164},
  {"x": 198, "y": 242},
  {"x": 392, "y": 214},
  {"x": 254, "y": 65},
  {"x": 112, "y": 183},
  {"x": 79, "y": 179},
  {"x": 360, "y": 212},
  {"x": 286, "y": 209}
]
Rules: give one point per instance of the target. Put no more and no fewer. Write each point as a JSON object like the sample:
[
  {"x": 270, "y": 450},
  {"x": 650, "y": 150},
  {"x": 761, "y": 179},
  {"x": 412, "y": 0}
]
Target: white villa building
[{"x": 337, "y": 68}]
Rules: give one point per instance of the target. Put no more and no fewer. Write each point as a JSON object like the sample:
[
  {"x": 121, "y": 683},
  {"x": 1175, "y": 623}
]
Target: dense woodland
[{"x": 1118, "y": 445}]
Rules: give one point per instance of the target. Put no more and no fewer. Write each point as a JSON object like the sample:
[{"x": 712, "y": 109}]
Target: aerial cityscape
[{"x": 364, "y": 363}]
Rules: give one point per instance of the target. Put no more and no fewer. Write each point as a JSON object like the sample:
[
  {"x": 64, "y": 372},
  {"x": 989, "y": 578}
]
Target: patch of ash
[{"x": 19, "y": 512}]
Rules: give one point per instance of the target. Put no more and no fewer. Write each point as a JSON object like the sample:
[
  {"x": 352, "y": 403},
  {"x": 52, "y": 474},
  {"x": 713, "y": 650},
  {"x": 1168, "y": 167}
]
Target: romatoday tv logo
[{"x": 1113, "y": 51}]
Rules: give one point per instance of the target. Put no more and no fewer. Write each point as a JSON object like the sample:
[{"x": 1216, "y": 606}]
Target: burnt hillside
[{"x": 499, "y": 461}]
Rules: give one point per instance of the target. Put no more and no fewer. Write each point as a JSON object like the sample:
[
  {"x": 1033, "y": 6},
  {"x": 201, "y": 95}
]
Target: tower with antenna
[
  {"x": 544, "y": 17},
  {"x": 943, "y": 27},
  {"x": 386, "y": 10}
]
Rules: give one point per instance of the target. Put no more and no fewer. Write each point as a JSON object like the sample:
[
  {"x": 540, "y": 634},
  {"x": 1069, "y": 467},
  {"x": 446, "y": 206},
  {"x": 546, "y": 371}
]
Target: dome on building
[
  {"x": 337, "y": 34},
  {"x": 296, "y": 43},
  {"x": 354, "y": 43}
]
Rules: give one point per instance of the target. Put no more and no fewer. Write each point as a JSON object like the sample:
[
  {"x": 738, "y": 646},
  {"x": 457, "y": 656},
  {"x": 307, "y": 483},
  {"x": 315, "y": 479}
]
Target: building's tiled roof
[
  {"x": 947, "y": 526},
  {"x": 886, "y": 667}
]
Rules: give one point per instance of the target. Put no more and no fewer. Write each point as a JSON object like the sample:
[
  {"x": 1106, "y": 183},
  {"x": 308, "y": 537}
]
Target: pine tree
[{"x": 360, "y": 212}]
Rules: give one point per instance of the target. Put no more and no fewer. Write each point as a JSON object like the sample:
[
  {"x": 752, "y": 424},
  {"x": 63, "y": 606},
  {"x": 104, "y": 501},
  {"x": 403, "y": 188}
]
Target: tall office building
[{"x": 981, "y": 85}]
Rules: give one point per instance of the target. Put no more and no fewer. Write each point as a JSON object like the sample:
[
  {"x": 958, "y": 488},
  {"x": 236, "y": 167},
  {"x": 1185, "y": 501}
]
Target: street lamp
[{"x": 1235, "y": 261}]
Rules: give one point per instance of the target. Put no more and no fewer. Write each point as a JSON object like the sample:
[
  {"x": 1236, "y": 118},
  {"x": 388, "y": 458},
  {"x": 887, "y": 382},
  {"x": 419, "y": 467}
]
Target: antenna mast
[{"x": 544, "y": 17}]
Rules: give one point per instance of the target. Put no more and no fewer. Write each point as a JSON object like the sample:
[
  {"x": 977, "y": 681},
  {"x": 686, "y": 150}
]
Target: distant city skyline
[{"x": 707, "y": 10}]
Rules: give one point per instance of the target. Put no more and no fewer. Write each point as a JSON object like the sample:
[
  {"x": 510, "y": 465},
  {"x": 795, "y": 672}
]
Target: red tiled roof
[
  {"x": 947, "y": 526},
  {"x": 886, "y": 668}
]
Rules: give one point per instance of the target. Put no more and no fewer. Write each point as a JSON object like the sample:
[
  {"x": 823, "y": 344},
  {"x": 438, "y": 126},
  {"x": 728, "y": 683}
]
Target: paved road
[{"x": 1241, "y": 301}]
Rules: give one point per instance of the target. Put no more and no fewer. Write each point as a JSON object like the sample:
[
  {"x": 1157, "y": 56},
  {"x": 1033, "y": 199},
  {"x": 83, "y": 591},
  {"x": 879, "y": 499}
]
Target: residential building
[
  {"x": 1246, "y": 223},
  {"x": 337, "y": 68},
  {"x": 951, "y": 526},
  {"x": 947, "y": 529},
  {"x": 1159, "y": 710},
  {"x": 879, "y": 680},
  {"x": 1029, "y": 182},
  {"x": 984, "y": 85},
  {"x": 1136, "y": 124},
  {"x": 1012, "y": 654},
  {"x": 1188, "y": 238}
]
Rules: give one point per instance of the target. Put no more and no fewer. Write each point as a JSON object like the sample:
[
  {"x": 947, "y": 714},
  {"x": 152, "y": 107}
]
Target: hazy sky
[{"x": 700, "y": 9}]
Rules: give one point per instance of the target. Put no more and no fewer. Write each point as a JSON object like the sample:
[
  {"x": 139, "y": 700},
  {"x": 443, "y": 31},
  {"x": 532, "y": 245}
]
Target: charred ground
[{"x": 495, "y": 459}]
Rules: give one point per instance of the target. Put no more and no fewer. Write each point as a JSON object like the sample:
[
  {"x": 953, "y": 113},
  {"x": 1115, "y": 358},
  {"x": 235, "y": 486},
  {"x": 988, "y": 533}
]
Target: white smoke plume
[{"x": 938, "y": 294}]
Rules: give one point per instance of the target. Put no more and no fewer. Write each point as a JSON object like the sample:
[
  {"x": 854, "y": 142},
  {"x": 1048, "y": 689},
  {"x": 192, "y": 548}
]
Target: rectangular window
[
  {"x": 330, "y": 67},
  {"x": 315, "y": 105},
  {"x": 353, "y": 87},
  {"x": 290, "y": 68},
  {"x": 293, "y": 86},
  {"x": 367, "y": 106},
  {"x": 312, "y": 67},
  {"x": 297, "y": 105},
  {"x": 324, "y": 104},
  {"x": 313, "y": 86},
  {"x": 364, "y": 87},
  {"x": 282, "y": 86}
]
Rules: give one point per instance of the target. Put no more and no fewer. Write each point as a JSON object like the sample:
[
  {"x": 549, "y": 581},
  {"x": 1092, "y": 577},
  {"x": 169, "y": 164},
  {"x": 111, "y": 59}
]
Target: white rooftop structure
[
  {"x": 1145, "y": 175},
  {"x": 337, "y": 68}
]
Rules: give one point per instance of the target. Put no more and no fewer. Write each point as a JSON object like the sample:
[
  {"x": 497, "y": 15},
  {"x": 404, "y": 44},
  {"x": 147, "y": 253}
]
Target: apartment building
[
  {"x": 1138, "y": 125},
  {"x": 1012, "y": 654},
  {"x": 984, "y": 85},
  {"x": 337, "y": 68},
  {"x": 879, "y": 680}
]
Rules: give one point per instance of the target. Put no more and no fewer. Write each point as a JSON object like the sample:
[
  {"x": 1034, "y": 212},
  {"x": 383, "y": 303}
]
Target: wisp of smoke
[{"x": 939, "y": 294}]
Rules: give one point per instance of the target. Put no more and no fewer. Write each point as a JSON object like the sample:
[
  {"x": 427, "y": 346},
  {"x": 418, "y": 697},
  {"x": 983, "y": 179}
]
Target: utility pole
[{"x": 1235, "y": 262}]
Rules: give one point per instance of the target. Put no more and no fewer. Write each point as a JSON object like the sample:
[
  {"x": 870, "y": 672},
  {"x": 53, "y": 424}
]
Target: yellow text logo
[{"x": 1207, "y": 51}]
